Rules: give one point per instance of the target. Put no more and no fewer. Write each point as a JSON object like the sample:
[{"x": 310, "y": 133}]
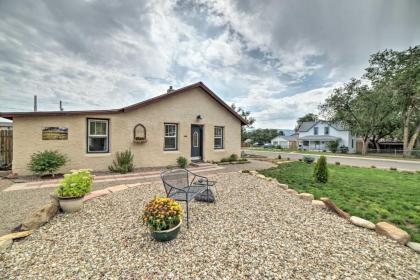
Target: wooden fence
[{"x": 6, "y": 147}]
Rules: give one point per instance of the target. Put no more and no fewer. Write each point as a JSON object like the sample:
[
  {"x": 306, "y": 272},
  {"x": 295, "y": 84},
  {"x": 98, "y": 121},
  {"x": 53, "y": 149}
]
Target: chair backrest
[{"x": 176, "y": 178}]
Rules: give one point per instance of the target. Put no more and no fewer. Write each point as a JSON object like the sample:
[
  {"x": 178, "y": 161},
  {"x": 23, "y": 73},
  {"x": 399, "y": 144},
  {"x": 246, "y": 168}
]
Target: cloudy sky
[{"x": 278, "y": 59}]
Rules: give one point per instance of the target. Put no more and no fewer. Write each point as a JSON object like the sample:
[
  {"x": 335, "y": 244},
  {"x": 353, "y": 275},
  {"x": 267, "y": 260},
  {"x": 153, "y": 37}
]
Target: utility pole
[
  {"x": 35, "y": 103},
  {"x": 61, "y": 106}
]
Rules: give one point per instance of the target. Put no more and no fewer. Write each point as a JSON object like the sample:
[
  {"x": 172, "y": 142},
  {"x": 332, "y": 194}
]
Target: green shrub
[
  {"x": 333, "y": 146},
  {"x": 245, "y": 171},
  {"x": 182, "y": 162},
  {"x": 372, "y": 166},
  {"x": 337, "y": 163},
  {"x": 124, "y": 163},
  {"x": 76, "y": 184},
  {"x": 279, "y": 156},
  {"x": 393, "y": 168},
  {"x": 308, "y": 159},
  {"x": 321, "y": 170},
  {"x": 46, "y": 162},
  {"x": 233, "y": 157}
]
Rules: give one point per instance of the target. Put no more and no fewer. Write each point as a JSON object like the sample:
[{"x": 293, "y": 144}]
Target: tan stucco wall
[{"x": 181, "y": 109}]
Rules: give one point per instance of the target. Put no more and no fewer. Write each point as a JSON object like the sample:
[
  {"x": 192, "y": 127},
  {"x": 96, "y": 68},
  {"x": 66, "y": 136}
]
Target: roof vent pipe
[{"x": 170, "y": 89}]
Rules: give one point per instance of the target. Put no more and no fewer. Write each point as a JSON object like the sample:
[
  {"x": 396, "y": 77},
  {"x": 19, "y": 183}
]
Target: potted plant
[
  {"x": 73, "y": 188},
  {"x": 163, "y": 216}
]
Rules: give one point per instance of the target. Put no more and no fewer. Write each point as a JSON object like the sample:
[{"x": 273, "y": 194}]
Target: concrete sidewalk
[{"x": 138, "y": 176}]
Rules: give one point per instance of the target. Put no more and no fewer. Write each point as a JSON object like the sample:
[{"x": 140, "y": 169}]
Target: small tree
[
  {"x": 333, "y": 145},
  {"x": 321, "y": 170},
  {"x": 46, "y": 162}
]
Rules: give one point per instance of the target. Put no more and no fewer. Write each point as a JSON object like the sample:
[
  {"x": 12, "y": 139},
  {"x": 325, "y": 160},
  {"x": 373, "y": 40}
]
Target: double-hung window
[
  {"x": 171, "y": 137},
  {"x": 218, "y": 137},
  {"x": 326, "y": 130},
  {"x": 98, "y": 136},
  {"x": 315, "y": 130}
]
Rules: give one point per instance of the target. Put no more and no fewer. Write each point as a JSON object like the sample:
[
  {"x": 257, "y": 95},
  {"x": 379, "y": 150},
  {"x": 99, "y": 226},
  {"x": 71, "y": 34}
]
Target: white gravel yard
[{"x": 255, "y": 230}]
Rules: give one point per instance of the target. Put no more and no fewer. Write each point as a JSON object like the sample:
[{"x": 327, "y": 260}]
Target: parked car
[
  {"x": 344, "y": 149},
  {"x": 257, "y": 144},
  {"x": 268, "y": 145}
]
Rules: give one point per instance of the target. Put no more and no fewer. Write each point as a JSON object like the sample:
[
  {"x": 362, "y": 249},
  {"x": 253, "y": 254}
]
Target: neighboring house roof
[
  {"x": 8, "y": 124},
  {"x": 11, "y": 115},
  {"x": 306, "y": 126},
  {"x": 319, "y": 138},
  {"x": 293, "y": 137}
]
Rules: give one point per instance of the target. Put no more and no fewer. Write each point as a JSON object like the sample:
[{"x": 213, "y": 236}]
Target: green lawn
[{"x": 373, "y": 194}]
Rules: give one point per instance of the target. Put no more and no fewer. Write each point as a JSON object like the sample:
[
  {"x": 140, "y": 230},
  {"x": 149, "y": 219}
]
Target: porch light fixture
[{"x": 199, "y": 118}]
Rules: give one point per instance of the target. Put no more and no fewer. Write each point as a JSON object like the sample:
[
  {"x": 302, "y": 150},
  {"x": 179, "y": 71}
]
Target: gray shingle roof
[
  {"x": 305, "y": 126},
  {"x": 319, "y": 138}
]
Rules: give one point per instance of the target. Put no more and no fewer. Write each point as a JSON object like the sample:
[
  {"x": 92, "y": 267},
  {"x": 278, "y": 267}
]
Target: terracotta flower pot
[
  {"x": 71, "y": 204},
  {"x": 166, "y": 235}
]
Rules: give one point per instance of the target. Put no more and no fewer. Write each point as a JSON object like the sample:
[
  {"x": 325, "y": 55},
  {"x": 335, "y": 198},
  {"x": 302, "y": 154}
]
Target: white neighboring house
[
  {"x": 316, "y": 134},
  {"x": 284, "y": 141}
]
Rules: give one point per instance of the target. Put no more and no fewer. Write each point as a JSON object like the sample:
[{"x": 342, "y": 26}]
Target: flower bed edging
[{"x": 387, "y": 229}]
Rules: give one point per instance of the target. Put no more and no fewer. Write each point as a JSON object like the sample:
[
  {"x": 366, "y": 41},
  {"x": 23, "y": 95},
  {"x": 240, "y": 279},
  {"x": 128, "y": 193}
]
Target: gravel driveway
[
  {"x": 255, "y": 230},
  {"x": 15, "y": 206}
]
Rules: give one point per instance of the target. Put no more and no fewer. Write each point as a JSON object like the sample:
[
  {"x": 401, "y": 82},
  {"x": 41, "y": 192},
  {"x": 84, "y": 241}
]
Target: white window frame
[
  {"x": 222, "y": 136},
  {"x": 106, "y": 135},
  {"x": 175, "y": 125}
]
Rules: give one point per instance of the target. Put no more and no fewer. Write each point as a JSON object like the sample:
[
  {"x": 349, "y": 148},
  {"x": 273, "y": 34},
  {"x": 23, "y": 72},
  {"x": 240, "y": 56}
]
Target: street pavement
[{"x": 407, "y": 165}]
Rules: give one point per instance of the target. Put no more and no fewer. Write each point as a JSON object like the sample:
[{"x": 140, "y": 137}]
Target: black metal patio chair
[{"x": 184, "y": 185}]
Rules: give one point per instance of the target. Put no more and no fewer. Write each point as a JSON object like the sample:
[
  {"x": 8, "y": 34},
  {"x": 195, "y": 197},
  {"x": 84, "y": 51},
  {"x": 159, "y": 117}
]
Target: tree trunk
[
  {"x": 378, "y": 148},
  {"x": 411, "y": 142},
  {"x": 365, "y": 146}
]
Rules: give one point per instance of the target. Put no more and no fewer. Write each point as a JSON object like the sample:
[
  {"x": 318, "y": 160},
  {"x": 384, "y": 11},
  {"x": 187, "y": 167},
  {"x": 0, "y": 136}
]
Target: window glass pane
[
  {"x": 326, "y": 130},
  {"x": 195, "y": 139},
  {"x": 170, "y": 130},
  {"x": 91, "y": 127},
  {"x": 170, "y": 143},
  {"x": 100, "y": 128},
  {"x": 218, "y": 142},
  {"x": 315, "y": 130},
  {"x": 98, "y": 144}
]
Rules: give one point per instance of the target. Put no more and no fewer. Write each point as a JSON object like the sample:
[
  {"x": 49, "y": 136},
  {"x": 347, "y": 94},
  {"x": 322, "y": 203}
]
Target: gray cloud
[{"x": 279, "y": 59}]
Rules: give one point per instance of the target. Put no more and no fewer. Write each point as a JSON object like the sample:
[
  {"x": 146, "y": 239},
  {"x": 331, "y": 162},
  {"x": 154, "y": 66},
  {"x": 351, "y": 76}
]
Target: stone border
[
  {"x": 48, "y": 211},
  {"x": 384, "y": 228}
]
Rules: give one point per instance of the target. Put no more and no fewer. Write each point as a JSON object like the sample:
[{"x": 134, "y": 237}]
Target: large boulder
[
  {"x": 392, "y": 232},
  {"x": 330, "y": 205},
  {"x": 291, "y": 191},
  {"x": 41, "y": 216},
  {"x": 415, "y": 246},
  {"x": 318, "y": 203},
  {"x": 362, "y": 222},
  {"x": 306, "y": 196}
]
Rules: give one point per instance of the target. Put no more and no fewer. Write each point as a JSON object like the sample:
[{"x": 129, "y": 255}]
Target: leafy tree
[
  {"x": 306, "y": 118},
  {"x": 359, "y": 108},
  {"x": 263, "y": 135},
  {"x": 333, "y": 145},
  {"x": 247, "y": 116},
  {"x": 399, "y": 72}
]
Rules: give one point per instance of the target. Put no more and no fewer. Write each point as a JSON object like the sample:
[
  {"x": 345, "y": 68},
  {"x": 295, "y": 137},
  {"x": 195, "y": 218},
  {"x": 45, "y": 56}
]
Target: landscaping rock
[
  {"x": 328, "y": 202},
  {"x": 117, "y": 188},
  {"x": 306, "y": 196},
  {"x": 261, "y": 176},
  {"x": 95, "y": 194},
  {"x": 291, "y": 191},
  {"x": 283, "y": 186},
  {"x": 203, "y": 197},
  {"x": 41, "y": 216},
  {"x": 16, "y": 235},
  {"x": 415, "y": 246},
  {"x": 362, "y": 222},
  {"x": 393, "y": 232},
  {"x": 318, "y": 203},
  {"x": 253, "y": 172},
  {"x": 5, "y": 245}
]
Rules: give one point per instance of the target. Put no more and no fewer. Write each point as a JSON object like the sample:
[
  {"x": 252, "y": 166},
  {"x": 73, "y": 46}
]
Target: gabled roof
[
  {"x": 306, "y": 126},
  {"x": 201, "y": 85}
]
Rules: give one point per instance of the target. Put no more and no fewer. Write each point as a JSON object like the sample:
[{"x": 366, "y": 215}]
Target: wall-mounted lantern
[{"x": 199, "y": 117}]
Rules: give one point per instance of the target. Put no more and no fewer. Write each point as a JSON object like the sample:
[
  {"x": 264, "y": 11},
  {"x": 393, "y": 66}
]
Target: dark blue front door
[{"x": 196, "y": 142}]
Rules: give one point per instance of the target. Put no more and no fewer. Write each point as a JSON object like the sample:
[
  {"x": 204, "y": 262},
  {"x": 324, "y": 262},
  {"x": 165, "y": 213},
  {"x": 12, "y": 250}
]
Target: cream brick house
[{"x": 192, "y": 122}]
